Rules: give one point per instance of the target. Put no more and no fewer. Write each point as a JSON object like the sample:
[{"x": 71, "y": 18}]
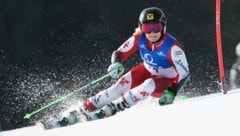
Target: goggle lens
[{"x": 153, "y": 27}]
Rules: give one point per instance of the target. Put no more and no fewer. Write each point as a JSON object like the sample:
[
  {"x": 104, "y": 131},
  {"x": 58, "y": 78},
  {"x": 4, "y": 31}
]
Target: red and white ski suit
[{"x": 164, "y": 64}]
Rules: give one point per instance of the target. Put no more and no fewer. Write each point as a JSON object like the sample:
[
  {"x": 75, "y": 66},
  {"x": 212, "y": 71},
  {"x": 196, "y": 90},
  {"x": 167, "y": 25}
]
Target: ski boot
[
  {"x": 112, "y": 108},
  {"x": 167, "y": 98}
]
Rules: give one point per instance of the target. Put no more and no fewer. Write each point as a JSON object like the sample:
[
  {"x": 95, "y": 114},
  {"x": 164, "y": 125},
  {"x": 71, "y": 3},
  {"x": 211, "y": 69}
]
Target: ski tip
[
  {"x": 39, "y": 124},
  {"x": 46, "y": 125}
]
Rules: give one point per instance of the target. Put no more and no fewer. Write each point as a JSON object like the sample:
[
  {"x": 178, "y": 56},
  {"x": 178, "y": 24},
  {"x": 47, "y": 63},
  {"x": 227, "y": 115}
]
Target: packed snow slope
[{"x": 211, "y": 115}]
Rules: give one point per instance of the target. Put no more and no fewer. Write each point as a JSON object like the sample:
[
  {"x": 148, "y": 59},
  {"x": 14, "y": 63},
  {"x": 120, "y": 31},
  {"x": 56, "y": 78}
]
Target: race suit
[{"x": 164, "y": 64}]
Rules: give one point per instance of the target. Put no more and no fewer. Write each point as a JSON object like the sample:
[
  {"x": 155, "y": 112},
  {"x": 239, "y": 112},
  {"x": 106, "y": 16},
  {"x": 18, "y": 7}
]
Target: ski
[{"x": 74, "y": 118}]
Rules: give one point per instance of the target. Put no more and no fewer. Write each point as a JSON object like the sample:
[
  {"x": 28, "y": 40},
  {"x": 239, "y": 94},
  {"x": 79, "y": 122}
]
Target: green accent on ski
[{"x": 184, "y": 97}]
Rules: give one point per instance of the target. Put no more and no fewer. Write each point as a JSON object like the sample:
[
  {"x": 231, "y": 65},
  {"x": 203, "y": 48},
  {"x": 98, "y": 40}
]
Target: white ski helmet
[{"x": 238, "y": 50}]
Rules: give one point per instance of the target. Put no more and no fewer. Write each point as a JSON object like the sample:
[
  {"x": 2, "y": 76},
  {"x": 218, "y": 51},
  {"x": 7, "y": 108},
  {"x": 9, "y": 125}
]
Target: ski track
[{"x": 210, "y": 115}]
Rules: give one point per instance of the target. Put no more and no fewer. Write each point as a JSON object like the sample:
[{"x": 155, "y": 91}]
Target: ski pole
[{"x": 28, "y": 115}]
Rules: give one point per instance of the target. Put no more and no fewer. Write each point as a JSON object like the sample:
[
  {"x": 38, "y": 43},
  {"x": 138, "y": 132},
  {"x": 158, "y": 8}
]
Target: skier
[
  {"x": 163, "y": 72},
  {"x": 235, "y": 70}
]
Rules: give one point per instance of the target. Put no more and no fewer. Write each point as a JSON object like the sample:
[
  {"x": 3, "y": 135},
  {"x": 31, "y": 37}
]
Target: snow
[{"x": 211, "y": 115}]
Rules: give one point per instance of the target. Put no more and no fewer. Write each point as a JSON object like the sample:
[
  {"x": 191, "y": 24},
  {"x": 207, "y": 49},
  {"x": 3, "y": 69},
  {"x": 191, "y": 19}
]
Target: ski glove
[{"x": 115, "y": 70}]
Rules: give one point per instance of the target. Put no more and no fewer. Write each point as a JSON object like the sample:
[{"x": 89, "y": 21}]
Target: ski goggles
[{"x": 153, "y": 27}]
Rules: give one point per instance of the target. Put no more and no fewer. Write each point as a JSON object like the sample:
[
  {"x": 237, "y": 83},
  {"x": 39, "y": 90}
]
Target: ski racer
[{"x": 162, "y": 73}]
